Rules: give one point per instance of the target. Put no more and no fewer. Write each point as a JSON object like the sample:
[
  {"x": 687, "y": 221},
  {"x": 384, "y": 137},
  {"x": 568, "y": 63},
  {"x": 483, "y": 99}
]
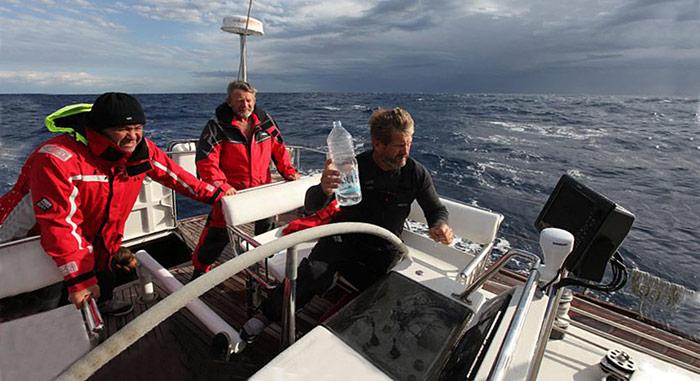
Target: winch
[{"x": 617, "y": 365}]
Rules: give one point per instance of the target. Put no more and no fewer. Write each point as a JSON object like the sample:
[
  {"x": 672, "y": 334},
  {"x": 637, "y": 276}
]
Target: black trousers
[
  {"x": 362, "y": 266},
  {"x": 107, "y": 281}
]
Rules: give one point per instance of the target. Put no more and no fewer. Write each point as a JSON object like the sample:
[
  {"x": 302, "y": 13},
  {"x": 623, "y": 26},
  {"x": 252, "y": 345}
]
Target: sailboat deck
[{"x": 178, "y": 349}]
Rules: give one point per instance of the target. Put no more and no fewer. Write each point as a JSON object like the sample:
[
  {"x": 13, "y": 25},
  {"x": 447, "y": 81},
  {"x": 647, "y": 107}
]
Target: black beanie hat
[{"x": 115, "y": 109}]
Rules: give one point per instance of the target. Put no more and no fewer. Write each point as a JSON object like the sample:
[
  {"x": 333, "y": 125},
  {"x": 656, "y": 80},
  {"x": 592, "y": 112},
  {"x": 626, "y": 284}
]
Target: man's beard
[
  {"x": 396, "y": 163},
  {"x": 245, "y": 115}
]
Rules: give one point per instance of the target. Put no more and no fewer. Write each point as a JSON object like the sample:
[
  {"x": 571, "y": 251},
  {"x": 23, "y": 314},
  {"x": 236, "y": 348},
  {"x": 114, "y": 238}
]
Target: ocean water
[{"x": 501, "y": 152}]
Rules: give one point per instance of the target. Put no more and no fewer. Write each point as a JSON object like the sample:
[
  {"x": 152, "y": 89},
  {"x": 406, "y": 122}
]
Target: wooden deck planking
[{"x": 178, "y": 349}]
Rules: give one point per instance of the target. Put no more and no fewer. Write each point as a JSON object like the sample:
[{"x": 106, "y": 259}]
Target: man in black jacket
[{"x": 390, "y": 181}]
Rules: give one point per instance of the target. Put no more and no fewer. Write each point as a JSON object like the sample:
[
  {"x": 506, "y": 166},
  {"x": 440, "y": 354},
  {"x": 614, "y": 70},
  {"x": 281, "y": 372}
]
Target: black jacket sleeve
[
  {"x": 428, "y": 199},
  {"x": 315, "y": 199}
]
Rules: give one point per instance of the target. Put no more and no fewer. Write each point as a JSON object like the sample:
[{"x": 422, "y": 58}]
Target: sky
[{"x": 625, "y": 47}]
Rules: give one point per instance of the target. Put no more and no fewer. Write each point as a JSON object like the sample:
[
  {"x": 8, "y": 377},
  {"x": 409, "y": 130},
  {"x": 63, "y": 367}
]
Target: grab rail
[
  {"x": 236, "y": 236},
  {"x": 290, "y": 296},
  {"x": 505, "y": 354},
  {"x": 93, "y": 318},
  {"x": 553, "y": 297},
  {"x": 486, "y": 275},
  {"x": 476, "y": 266},
  {"x": 110, "y": 348}
]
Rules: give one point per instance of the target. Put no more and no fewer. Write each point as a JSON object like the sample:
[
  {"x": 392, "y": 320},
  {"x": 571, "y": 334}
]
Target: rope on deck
[{"x": 657, "y": 291}]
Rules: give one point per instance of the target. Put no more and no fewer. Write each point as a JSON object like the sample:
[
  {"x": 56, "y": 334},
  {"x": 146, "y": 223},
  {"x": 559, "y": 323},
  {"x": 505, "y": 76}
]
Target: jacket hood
[
  {"x": 73, "y": 119},
  {"x": 70, "y": 120}
]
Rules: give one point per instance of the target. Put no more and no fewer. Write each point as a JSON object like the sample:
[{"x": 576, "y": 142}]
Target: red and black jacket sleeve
[
  {"x": 57, "y": 207},
  {"x": 168, "y": 173},
  {"x": 209, "y": 154}
]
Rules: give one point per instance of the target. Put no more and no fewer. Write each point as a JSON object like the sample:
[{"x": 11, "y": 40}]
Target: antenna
[{"x": 243, "y": 26}]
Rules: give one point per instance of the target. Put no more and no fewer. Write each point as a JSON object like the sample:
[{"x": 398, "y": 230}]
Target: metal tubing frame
[
  {"x": 554, "y": 295},
  {"x": 235, "y": 232},
  {"x": 476, "y": 265},
  {"x": 288, "y": 336},
  {"x": 243, "y": 65},
  {"x": 486, "y": 275},
  {"x": 235, "y": 235},
  {"x": 505, "y": 354},
  {"x": 93, "y": 318}
]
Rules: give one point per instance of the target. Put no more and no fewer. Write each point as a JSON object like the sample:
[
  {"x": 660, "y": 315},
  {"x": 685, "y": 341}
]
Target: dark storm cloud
[
  {"x": 414, "y": 15},
  {"x": 633, "y": 46}
]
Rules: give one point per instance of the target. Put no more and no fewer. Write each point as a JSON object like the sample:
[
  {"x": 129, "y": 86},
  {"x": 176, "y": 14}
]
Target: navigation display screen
[{"x": 598, "y": 225}]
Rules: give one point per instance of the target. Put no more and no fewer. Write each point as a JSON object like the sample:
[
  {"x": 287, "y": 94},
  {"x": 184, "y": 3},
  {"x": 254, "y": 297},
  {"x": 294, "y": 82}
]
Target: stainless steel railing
[
  {"x": 476, "y": 266},
  {"x": 500, "y": 367},
  {"x": 290, "y": 296},
  {"x": 493, "y": 269}
]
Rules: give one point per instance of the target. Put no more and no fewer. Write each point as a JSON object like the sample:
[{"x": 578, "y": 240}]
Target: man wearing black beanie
[
  {"x": 120, "y": 117},
  {"x": 77, "y": 190}
]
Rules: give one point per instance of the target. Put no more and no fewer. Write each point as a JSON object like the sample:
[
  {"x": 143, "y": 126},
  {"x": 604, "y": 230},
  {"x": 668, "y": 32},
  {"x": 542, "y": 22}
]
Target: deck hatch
[{"x": 401, "y": 326}]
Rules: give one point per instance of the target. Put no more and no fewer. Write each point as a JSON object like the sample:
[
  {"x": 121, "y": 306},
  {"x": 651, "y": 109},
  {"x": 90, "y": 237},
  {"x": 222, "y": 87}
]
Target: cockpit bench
[{"x": 471, "y": 223}]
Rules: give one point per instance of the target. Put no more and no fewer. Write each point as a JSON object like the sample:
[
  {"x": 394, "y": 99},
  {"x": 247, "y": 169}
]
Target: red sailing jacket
[
  {"x": 83, "y": 194},
  {"x": 225, "y": 156}
]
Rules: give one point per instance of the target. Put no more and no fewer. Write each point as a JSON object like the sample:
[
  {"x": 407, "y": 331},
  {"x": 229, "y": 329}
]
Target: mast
[{"x": 243, "y": 26}]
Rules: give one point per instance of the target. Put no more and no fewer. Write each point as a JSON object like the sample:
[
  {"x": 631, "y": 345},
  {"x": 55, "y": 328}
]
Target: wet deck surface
[{"x": 178, "y": 349}]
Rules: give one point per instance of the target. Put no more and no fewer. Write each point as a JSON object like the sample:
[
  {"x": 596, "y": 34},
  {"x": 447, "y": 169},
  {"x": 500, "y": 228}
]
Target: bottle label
[
  {"x": 349, "y": 191},
  {"x": 347, "y": 185}
]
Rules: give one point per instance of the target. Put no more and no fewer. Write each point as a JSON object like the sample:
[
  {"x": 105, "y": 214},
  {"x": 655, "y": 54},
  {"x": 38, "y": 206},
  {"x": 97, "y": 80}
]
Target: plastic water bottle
[{"x": 343, "y": 154}]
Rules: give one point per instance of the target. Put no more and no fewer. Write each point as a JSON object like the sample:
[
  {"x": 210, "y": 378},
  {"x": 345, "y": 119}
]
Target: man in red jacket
[
  {"x": 82, "y": 186},
  {"x": 234, "y": 152}
]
